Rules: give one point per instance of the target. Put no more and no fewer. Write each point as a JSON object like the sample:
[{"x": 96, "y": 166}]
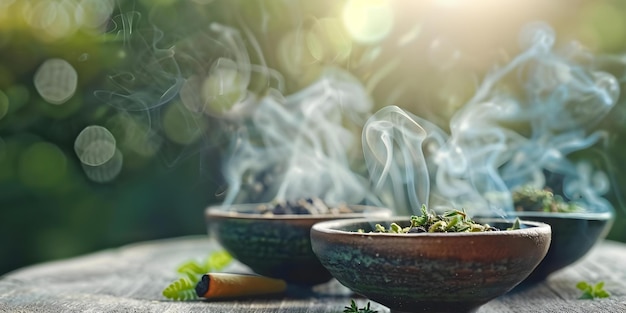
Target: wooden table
[{"x": 131, "y": 278}]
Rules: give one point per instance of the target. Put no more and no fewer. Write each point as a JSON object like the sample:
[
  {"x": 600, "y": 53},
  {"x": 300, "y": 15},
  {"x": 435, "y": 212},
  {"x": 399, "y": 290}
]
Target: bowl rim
[
  {"x": 221, "y": 211},
  {"x": 576, "y": 215},
  {"x": 328, "y": 227}
]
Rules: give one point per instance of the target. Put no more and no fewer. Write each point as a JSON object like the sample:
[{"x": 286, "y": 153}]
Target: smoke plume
[{"x": 503, "y": 138}]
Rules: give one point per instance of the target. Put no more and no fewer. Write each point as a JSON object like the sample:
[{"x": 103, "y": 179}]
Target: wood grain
[{"x": 131, "y": 278}]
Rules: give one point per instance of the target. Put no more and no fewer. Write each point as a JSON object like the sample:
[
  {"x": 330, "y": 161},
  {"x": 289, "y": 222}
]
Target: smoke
[
  {"x": 276, "y": 144},
  {"x": 302, "y": 145},
  {"x": 186, "y": 88},
  {"x": 503, "y": 138},
  {"x": 521, "y": 127}
]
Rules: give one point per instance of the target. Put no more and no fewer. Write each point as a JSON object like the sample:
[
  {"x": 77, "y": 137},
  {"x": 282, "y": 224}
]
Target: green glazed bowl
[
  {"x": 276, "y": 246},
  {"x": 429, "y": 272},
  {"x": 573, "y": 235}
]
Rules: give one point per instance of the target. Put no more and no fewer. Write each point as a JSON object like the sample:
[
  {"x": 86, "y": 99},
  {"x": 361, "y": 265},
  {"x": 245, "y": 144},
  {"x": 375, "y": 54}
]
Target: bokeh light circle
[
  {"x": 94, "y": 13},
  {"x": 107, "y": 171},
  {"x": 368, "y": 21},
  {"x": 223, "y": 87},
  {"x": 52, "y": 19},
  {"x": 3, "y": 150},
  {"x": 4, "y": 104},
  {"x": 18, "y": 96},
  {"x": 181, "y": 126},
  {"x": 292, "y": 55},
  {"x": 95, "y": 145},
  {"x": 56, "y": 81},
  {"x": 328, "y": 41},
  {"x": 190, "y": 94}
]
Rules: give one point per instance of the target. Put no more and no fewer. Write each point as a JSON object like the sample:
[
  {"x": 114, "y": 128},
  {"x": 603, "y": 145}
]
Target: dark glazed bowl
[
  {"x": 276, "y": 246},
  {"x": 573, "y": 235},
  {"x": 429, "y": 272}
]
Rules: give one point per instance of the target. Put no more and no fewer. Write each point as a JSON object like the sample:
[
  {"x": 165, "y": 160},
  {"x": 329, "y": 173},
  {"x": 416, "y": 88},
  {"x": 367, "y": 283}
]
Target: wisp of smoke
[
  {"x": 302, "y": 145},
  {"x": 501, "y": 139},
  {"x": 282, "y": 145}
]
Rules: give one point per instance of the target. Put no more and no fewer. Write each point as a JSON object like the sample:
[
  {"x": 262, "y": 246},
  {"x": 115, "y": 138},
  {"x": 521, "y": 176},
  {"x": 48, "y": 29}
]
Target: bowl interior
[{"x": 367, "y": 226}]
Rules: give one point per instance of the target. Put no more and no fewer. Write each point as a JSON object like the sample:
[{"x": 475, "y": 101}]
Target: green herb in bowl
[
  {"x": 529, "y": 198},
  {"x": 451, "y": 221}
]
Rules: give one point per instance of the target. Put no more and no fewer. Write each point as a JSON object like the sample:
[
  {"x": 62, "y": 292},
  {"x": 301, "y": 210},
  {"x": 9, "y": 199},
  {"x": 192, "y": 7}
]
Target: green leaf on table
[
  {"x": 218, "y": 260},
  {"x": 192, "y": 271},
  {"x": 354, "y": 309},
  {"x": 592, "y": 291},
  {"x": 182, "y": 289},
  {"x": 214, "y": 262}
]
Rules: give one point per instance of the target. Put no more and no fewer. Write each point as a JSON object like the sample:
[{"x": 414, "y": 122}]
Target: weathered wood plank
[{"x": 131, "y": 278}]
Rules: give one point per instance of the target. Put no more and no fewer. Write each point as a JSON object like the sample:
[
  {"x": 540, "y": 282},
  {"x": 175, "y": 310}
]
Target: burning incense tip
[{"x": 227, "y": 285}]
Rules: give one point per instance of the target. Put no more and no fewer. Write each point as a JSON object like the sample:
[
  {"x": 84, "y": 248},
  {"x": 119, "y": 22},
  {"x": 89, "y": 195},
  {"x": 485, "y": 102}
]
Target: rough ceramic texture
[
  {"x": 573, "y": 235},
  {"x": 276, "y": 246},
  {"x": 429, "y": 272}
]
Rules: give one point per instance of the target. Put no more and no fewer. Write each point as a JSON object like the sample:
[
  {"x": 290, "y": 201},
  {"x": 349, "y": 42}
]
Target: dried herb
[
  {"x": 517, "y": 224},
  {"x": 429, "y": 221},
  {"x": 592, "y": 291},
  {"x": 306, "y": 206},
  {"x": 529, "y": 198},
  {"x": 354, "y": 309},
  {"x": 184, "y": 287}
]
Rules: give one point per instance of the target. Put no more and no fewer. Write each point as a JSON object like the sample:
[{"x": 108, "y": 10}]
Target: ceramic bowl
[
  {"x": 573, "y": 235},
  {"x": 429, "y": 272},
  {"x": 277, "y": 246}
]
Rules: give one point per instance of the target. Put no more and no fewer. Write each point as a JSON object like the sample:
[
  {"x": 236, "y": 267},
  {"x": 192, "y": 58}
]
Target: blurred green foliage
[{"x": 127, "y": 55}]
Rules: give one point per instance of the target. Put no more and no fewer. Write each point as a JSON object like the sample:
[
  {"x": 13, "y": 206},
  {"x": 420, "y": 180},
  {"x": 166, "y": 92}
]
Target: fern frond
[
  {"x": 182, "y": 289},
  {"x": 192, "y": 267},
  {"x": 214, "y": 262}
]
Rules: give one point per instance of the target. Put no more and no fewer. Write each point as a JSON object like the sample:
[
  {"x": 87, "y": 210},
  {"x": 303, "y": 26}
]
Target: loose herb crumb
[
  {"x": 354, "y": 309},
  {"x": 305, "y": 206},
  {"x": 591, "y": 291}
]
